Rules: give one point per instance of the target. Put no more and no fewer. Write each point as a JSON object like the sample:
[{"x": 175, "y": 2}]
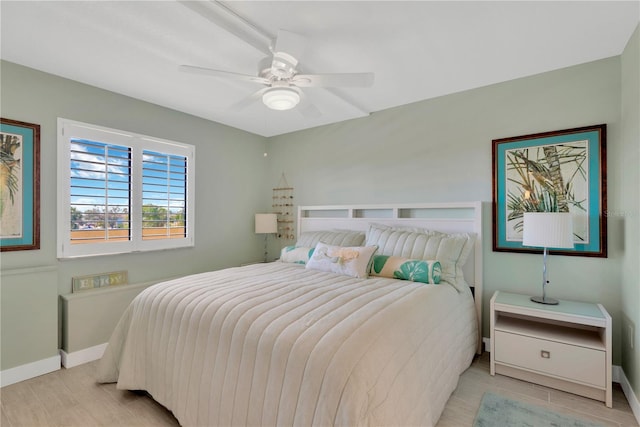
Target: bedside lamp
[
  {"x": 266, "y": 224},
  {"x": 547, "y": 230}
]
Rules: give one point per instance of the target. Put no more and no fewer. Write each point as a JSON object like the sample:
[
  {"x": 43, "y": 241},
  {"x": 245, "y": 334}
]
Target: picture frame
[
  {"x": 19, "y": 185},
  {"x": 563, "y": 170}
]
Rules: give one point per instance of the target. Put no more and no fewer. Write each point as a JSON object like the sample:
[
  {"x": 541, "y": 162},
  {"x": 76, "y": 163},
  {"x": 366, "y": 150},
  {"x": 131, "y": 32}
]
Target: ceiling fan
[{"x": 283, "y": 80}]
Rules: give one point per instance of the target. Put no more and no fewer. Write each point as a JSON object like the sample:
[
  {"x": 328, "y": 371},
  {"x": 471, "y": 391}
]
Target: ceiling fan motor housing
[{"x": 283, "y": 65}]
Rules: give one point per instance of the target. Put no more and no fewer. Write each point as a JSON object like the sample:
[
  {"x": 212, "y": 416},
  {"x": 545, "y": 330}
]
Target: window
[{"x": 122, "y": 192}]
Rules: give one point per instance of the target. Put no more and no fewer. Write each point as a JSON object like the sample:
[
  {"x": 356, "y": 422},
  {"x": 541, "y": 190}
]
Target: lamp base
[{"x": 545, "y": 300}]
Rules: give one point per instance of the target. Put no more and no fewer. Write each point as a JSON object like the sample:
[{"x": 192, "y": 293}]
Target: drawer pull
[{"x": 545, "y": 354}]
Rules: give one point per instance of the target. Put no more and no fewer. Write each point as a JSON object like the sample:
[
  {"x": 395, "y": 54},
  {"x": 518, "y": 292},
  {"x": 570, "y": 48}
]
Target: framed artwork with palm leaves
[
  {"x": 19, "y": 185},
  {"x": 558, "y": 171}
]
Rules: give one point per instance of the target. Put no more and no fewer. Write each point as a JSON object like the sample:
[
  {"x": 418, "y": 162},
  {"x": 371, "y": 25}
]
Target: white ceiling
[{"x": 417, "y": 49}]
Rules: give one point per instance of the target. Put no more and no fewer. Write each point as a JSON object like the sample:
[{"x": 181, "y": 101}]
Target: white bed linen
[{"x": 278, "y": 344}]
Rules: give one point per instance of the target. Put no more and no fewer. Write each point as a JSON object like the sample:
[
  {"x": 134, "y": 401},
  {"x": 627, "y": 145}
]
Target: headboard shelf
[{"x": 456, "y": 217}]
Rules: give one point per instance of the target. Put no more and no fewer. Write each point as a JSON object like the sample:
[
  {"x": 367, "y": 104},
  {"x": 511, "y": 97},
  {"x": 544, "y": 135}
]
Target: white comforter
[{"x": 278, "y": 344}]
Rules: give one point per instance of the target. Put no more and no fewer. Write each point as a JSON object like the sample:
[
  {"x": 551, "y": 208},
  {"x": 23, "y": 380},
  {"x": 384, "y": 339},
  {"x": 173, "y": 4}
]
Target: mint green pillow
[
  {"x": 414, "y": 270},
  {"x": 296, "y": 255}
]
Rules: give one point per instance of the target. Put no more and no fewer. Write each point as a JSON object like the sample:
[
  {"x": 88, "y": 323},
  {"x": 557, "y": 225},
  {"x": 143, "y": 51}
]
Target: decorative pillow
[
  {"x": 348, "y": 260},
  {"x": 415, "y": 270},
  {"x": 295, "y": 255},
  {"x": 451, "y": 250},
  {"x": 310, "y": 239}
]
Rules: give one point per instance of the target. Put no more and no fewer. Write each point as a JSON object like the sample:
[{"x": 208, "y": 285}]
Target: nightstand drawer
[{"x": 560, "y": 360}]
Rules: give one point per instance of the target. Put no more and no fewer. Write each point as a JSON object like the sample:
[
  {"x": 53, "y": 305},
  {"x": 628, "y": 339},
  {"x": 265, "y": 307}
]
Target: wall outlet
[{"x": 630, "y": 335}]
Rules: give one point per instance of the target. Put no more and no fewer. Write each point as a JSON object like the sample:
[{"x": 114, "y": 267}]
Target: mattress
[{"x": 281, "y": 344}]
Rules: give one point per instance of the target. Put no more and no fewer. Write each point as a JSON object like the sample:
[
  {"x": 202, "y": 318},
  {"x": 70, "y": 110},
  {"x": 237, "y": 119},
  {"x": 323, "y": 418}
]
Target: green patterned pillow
[
  {"x": 415, "y": 270},
  {"x": 296, "y": 255}
]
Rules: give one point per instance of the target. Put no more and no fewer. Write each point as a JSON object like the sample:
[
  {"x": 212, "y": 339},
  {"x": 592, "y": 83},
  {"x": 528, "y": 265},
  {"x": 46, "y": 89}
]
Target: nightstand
[{"x": 565, "y": 346}]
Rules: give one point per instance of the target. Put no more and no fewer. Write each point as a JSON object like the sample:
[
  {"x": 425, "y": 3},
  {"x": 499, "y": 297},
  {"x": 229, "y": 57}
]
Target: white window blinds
[
  {"x": 164, "y": 193},
  {"x": 100, "y": 191},
  {"x": 122, "y": 192}
]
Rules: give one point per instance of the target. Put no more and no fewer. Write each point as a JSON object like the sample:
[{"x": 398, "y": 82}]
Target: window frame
[{"x": 70, "y": 129}]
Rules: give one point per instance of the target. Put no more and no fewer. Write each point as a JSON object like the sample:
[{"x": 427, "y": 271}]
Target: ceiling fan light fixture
[{"x": 281, "y": 98}]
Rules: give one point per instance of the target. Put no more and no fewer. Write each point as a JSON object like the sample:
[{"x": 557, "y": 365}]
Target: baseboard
[
  {"x": 618, "y": 376},
  {"x": 69, "y": 360},
  {"x": 628, "y": 391},
  {"x": 487, "y": 344},
  {"x": 29, "y": 370}
]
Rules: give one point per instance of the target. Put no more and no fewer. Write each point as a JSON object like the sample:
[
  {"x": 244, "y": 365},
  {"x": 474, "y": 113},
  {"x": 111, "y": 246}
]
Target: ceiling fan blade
[
  {"x": 244, "y": 103},
  {"x": 307, "y": 109},
  {"x": 224, "y": 74},
  {"x": 291, "y": 43},
  {"x": 223, "y": 16},
  {"x": 333, "y": 80}
]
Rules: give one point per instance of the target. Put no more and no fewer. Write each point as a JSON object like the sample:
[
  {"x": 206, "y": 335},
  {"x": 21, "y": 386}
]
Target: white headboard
[{"x": 459, "y": 217}]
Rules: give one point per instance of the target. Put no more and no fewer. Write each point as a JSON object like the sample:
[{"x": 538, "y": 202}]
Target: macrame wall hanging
[{"x": 283, "y": 207}]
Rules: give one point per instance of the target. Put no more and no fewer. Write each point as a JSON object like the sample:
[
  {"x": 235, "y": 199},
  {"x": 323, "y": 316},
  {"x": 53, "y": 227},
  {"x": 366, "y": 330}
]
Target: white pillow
[
  {"x": 348, "y": 260},
  {"x": 310, "y": 239},
  {"x": 451, "y": 250}
]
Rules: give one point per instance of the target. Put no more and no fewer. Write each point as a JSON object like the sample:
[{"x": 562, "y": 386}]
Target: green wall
[
  {"x": 440, "y": 150},
  {"x": 432, "y": 151},
  {"x": 230, "y": 188},
  {"x": 629, "y": 161}
]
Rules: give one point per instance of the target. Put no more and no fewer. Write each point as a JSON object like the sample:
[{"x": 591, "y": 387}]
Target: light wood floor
[
  {"x": 463, "y": 405},
  {"x": 70, "y": 397}
]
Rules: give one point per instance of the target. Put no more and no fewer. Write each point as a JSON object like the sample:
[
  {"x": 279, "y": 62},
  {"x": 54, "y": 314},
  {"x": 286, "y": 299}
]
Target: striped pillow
[
  {"x": 310, "y": 239},
  {"x": 451, "y": 250}
]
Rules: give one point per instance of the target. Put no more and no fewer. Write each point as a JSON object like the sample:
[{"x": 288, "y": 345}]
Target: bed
[{"x": 315, "y": 341}]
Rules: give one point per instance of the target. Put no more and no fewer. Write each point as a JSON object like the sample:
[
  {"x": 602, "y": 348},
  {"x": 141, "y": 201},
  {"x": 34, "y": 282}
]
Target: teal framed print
[
  {"x": 19, "y": 185},
  {"x": 558, "y": 171}
]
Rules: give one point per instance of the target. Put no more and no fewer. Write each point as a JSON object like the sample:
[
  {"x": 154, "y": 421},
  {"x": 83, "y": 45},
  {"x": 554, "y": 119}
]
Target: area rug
[{"x": 498, "y": 411}]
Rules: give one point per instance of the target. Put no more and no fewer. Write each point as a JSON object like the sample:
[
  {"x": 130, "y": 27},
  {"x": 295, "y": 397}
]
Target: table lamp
[
  {"x": 266, "y": 223},
  {"x": 547, "y": 230}
]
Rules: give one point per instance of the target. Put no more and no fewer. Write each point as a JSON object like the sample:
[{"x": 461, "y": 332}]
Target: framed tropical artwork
[
  {"x": 19, "y": 185},
  {"x": 559, "y": 171}
]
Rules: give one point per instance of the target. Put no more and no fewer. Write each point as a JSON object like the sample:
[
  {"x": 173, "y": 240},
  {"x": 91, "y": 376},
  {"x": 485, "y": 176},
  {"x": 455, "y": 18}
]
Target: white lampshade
[
  {"x": 266, "y": 223},
  {"x": 281, "y": 98},
  {"x": 548, "y": 229}
]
